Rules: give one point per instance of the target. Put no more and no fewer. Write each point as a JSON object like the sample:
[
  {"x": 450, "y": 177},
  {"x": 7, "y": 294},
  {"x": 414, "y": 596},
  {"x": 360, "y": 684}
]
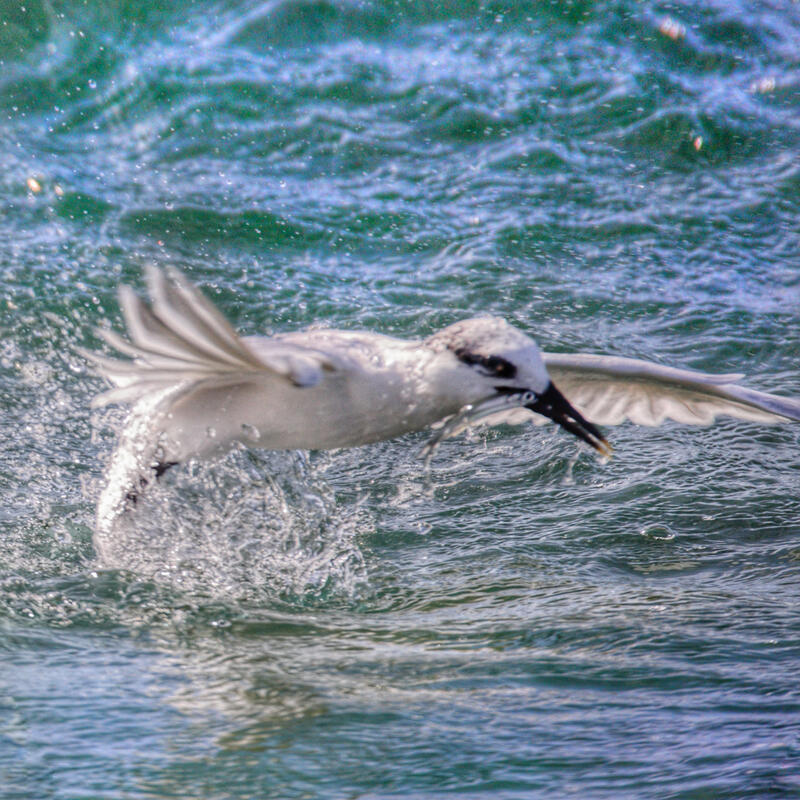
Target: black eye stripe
[{"x": 494, "y": 365}]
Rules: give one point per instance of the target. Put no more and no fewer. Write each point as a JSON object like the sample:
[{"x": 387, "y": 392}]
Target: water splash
[{"x": 250, "y": 523}]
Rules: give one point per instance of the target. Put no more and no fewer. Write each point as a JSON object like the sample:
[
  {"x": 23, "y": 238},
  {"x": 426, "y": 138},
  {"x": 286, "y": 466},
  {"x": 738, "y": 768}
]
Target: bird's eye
[
  {"x": 500, "y": 367},
  {"x": 496, "y": 366}
]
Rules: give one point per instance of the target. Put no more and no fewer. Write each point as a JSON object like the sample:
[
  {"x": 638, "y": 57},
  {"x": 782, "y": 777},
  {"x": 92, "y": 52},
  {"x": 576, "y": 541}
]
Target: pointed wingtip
[
  {"x": 126, "y": 296},
  {"x": 157, "y": 277},
  {"x": 152, "y": 276},
  {"x": 176, "y": 276}
]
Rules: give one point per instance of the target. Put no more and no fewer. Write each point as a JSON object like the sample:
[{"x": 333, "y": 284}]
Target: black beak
[{"x": 552, "y": 404}]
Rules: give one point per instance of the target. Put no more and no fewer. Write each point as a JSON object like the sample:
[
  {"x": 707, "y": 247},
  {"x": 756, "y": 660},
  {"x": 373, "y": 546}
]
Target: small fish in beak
[{"x": 553, "y": 405}]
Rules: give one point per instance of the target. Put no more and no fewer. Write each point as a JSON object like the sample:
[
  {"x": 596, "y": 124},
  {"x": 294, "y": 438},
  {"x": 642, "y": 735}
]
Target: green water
[{"x": 616, "y": 177}]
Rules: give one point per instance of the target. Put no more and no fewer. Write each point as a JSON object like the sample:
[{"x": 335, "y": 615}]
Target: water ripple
[{"x": 516, "y": 622}]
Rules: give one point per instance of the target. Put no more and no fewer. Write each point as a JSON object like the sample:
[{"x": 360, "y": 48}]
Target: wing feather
[
  {"x": 191, "y": 382},
  {"x": 182, "y": 339},
  {"x": 196, "y": 322},
  {"x": 609, "y": 390}
]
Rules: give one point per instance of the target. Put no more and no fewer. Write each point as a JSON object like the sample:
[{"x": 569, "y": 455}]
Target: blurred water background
[{"x": 612, "y": 176}]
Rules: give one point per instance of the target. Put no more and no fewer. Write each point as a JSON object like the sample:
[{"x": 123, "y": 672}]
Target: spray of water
[{"x": 250, "y": 523}]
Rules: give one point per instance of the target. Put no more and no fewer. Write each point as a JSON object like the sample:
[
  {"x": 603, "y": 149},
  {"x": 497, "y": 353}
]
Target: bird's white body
[
  {"x": 197, "y": 387},
  {"x": 375, "y": 388},
  {"x": 379, "y": 388}
]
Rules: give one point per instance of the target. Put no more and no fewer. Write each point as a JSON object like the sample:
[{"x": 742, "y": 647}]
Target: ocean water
[{"x": 616, "y": 177}]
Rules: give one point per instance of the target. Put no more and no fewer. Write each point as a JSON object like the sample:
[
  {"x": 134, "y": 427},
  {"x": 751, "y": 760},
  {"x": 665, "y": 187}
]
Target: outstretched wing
[
  {"x": 192, "y": 381},
  {"x": 182, "y": 339},
  {"x": 609, "y": 390}
]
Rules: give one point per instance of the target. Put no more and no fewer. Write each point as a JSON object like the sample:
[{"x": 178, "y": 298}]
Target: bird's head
[{"x": 496, "y": 358}]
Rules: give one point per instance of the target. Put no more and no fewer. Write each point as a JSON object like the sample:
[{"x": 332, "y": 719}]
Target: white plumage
[
  {"x": 197, "y": 387},
  {"x": 610, "y": 390}
]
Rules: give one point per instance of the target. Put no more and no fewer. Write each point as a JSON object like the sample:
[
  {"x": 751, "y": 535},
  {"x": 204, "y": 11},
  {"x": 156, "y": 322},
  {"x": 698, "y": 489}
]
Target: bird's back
[{"x": 376, "y": 388}]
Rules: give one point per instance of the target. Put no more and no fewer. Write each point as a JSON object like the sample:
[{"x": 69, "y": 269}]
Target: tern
[{"x": 197, "y": 388}]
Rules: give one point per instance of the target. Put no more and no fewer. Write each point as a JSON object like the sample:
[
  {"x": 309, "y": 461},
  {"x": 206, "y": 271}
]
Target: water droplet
[
  {"x": 763, "y": 86},
  {"x": 658, "y": 532},
  {"x": 672, "y": 29},
  {"x": 250, "y": 432}
]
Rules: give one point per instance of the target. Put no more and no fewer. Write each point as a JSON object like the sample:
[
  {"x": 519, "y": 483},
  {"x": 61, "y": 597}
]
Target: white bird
[{"x": 198, "y": 388}]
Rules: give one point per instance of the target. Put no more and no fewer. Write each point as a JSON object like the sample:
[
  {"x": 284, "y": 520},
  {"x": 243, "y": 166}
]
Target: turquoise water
[{"x": 617, "y": 177}]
